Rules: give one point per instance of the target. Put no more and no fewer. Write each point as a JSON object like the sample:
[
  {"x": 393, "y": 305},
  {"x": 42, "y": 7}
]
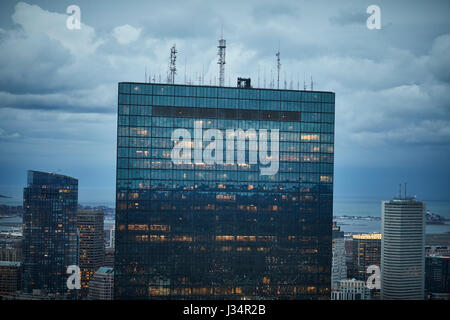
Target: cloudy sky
[{"x": 58, "y": 87}]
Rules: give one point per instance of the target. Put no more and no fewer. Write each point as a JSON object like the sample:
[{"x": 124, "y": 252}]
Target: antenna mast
[
  {"x": 221, "y": 53},
  {"x": 278, "y": 67},
  {"x": 172, "y": 65}
]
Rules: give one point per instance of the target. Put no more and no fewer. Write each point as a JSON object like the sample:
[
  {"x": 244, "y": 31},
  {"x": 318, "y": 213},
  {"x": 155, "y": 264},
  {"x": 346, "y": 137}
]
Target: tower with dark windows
[
  {"x": 223, "y": 192},
  {"x": 50, "y": 232}
]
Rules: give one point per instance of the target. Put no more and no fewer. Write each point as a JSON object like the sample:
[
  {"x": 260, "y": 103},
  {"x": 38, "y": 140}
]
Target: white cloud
[
  {"x": 35, "y": 21},
  {"x": 126, "y": 34},
  {"x": 6, "y": 135}
]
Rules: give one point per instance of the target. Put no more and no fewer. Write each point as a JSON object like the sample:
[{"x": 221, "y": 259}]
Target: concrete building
[
  {"x": 10, "y": 253},
  {"x": 102, "y": 284},
  {"x": 91, "y": 245},
  {"x": 366, "y": 252},
  {"x": 402, "y": 249},
  {"x": 437, "y": 276},
  {"x": 351, "y": 290},
  {"x": 109, "y": 258},
  {"x": 338, "y": 265},
  {"x": 10, "y": 277}
]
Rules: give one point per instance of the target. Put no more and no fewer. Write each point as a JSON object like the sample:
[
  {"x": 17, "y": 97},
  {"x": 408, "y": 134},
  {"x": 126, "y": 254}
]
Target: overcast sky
[{"x": 58, "y": 87}]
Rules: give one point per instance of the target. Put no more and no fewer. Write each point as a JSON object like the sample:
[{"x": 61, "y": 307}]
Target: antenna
[
  {"x": 172, "y": 65},
  {"x": 145, "y": 74},
  {"x": 264, "y": 77},
  {"x": 405, "y": 190},
  {"x": 258, "y": 76},
  {"x": 271, "y": 79},
  {"x": 221, "y": 53},
  {"x": 400, "y": 191},
  {"x": 278, "y": 66},
  {"x": 203, "y": 73},
  {"x": 312, "y": 84}
]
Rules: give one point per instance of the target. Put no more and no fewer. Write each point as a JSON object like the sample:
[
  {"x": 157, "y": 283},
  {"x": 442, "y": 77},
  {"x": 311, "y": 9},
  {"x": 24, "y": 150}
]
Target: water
[
  {"x": 370, "y": 207},
  {"x": 362, "y": 207}
]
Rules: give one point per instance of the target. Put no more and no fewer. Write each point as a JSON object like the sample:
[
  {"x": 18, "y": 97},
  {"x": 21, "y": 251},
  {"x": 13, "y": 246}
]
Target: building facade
[
  {"x": 102, "y": 284},
  {"x": 50, "y": 232},
  {"x": 403, "y": 249},
  {"x": 223, "y": 219},
  {"x": 10, "y": 253},
  {"x": 109, "y": 257},
  {"x": 366, "y": 252},
  {"x": 437, "y": 275},
  {"x": 351, "y": 290},
  {"x": 10, "y": 277},
  {"x": 91, "y": 245},
  {"x": 338, "y": 265}
]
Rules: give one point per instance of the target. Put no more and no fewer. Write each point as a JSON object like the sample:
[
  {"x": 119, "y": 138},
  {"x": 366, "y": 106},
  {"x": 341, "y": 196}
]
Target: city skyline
[
  {"x": 58, "y": 105},
  {"x": 240, "y": 150}
]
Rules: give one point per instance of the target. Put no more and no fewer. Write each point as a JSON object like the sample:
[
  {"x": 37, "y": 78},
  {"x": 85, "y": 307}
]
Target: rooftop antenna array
[
  {"x": 312, "y": 84},
  {"x": 221, "y": 53},
  {"x": 278, "y": 66},
  {"x": 172, "y": 65}
]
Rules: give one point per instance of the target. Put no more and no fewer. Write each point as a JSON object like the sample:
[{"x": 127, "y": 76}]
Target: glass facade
[
  {"x": 50, "y": 232},
  {"x": 223, "y": 230}
]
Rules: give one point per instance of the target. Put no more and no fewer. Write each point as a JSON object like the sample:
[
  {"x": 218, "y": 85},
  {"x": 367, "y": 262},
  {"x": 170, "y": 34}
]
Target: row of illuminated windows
[
  {"x": 124, "y": 131},
  {"x": 225, "y": 124},
  {"x": 159, "y": 156},
  {"x": 285, "y": 143},
  {"x": 222, "y": 176},
  {"x": 142, "y": 100},
  {"x": 254, "y": 197},
  {"x": 161, "y": 143},
  {"x": 224, "y": 92},
  {"x": 305, "y": 188},
  {"x": 287, "y": 167}
]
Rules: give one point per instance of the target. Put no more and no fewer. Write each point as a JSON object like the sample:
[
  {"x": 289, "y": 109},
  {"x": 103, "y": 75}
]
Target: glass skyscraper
[
  {"x": 50, "y": 232},
  {"x": 228, "y": 228}
]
